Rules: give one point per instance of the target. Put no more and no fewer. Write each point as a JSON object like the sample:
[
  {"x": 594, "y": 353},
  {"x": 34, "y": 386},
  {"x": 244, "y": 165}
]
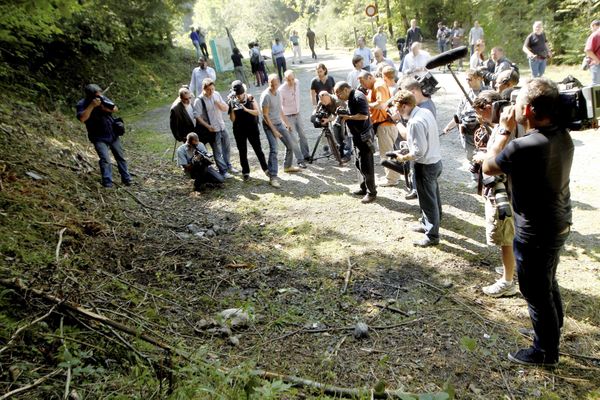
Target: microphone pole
[{"x": 449, "y": 66}]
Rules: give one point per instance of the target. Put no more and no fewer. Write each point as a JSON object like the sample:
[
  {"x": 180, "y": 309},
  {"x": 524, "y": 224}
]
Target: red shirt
[{"x": 593, "y": 43}]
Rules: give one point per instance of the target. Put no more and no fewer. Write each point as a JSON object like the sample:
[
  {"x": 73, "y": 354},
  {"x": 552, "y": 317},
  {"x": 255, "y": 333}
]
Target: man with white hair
[
  {"x": 290, "y": 104},
  {"x": 381, "y": 59},
  {"x": 416, "y": 60}
]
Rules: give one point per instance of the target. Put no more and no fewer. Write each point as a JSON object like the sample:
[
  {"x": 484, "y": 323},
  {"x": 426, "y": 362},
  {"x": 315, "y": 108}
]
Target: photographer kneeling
[
  {"x": 325, "y": 114},
  {"x": 195, "y": 161}
]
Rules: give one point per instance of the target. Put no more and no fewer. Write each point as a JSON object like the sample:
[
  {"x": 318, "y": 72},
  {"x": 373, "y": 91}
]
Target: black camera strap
[{"x": 205, "y": 110}]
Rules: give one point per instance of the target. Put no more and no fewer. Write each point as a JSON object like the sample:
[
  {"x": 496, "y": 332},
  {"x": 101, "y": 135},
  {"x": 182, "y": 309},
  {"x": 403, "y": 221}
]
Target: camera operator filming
[
  {"x": 360, "y": 126},
  {"x": 538, "y": 166},
  {"x": 194, "y": 160},
  {"x": 327, "y": 116}
]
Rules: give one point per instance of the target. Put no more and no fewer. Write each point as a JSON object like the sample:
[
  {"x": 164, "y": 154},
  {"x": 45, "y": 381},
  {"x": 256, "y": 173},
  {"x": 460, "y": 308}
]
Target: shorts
[{"x": 497, "y": 232}]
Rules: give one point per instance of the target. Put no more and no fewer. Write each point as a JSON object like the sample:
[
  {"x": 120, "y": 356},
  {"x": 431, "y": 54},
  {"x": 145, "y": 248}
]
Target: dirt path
[{"x": 303, "y": 236}]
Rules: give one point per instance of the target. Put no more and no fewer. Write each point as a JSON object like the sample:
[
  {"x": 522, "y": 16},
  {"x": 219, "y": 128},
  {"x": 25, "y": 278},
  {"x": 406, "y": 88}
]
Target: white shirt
[
  {"x": 198, "y": 75},
  {"x": 412, "y": 63},
  {"x": 353, "y": 77},
  {"x": 190, "y": 111},
  {"x": 475, "y": 34}
]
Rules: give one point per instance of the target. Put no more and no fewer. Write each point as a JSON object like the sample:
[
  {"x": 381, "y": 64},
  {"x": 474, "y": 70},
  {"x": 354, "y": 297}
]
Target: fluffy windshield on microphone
[{"x": 447, "y": 57}]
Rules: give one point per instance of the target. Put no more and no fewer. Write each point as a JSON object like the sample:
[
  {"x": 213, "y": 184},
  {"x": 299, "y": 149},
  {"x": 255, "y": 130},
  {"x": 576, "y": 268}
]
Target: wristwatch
[{"x": 503, "y": 131}]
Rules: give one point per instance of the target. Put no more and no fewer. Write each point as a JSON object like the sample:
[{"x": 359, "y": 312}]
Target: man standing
[
  {"x": 380, "y": 59},
  {"x": 202, "y": 42},
  {"x": 182, "y": 119},
  {"x": 295, "y": 41},
  {"x": 357, "y": 63},
  {"x": 310, "y": 40},
  {"x": 380, "y": 41},
  {"x": 208, "y": 111},
  {"x": 276, "y": 126},
  {"x": 416, "y": 60},
  {"x": 441, "y": 36},
  {"x": 424, "y": 149},
  {"x": 413, "y": 34},
  {"x": 201, "y": 72},
  {"x": 95, "y": 111},
  {"x": 456, "y": 40},
  {"x": 538, "y": 165},
  {"x": 194, "y": 160},
  {"x": 537, "y": 50},
  {"x": 475, "y": 34},
  {"x": 499, "y": 223},
  {"x": 592, "y": 51},
  {"x": 360, "y": 126},
  {"x": 468, "y": 121},
  {"x": 195, "y": 41},
  {"x": 278, "y": 54},
  {"x": 365, "y": 53},
  {"x": 500, "y": 63},
  {"x": 378, "y": 95},
  {"x": 289, "y": 92}
]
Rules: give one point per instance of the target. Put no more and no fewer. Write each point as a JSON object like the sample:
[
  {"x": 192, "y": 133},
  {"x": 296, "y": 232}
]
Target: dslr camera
[
  {"x": 234, "y": 101},
  {"x": 497, "y": 184},
  {"x": 106, "y": 102},
  {"x": 202, "y": 159}
]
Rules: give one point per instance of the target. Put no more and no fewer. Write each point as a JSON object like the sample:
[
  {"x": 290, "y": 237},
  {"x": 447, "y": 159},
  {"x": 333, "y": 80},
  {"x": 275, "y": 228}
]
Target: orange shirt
[{"x": 381, "y": 94}]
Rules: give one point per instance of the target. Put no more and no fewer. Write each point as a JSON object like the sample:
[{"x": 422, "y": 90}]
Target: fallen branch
[
  {"x": 331, "y": 390},
  {"x": 19, "y": 285},
  {"x": 347, "y": 277},
  {"x": 393, "y": 309},
  {"x": 60, "y": 239},
  {"x": 21, "y": 329},
  {"x": 140, "y": 202},
  {"x": 25, "y": 388}
]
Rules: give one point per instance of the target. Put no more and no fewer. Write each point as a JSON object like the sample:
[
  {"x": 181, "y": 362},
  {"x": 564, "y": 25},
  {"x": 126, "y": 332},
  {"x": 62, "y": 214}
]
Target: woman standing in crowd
[
  {"x": 478, "y": 56},
  {"x": 243, "y": 112},
  {"x": 319, "y": 83}
]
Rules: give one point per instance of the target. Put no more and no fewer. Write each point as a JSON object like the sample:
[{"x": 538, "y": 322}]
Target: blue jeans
[
  {"x": 221, "y": 149},
  {"x": 537, "y": 260},
  {"x": 428, "y": 192},
  {"x": 291, "y": 147},
  {"x": 296, "y": 124},
  {"x": 197, "y": 46},
  {"x": 441, "y": 46},
  {"x": 281, "y": 67},
  {"x": 102, "y": 149},
  {"x": 595, "y": 71},
  {"x": 538, "y": 66}
]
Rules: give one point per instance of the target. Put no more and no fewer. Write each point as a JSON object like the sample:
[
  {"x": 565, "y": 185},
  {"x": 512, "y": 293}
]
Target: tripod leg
[
  {"x": 334, "y": 148},
  {"x": 312, "y": 156}
]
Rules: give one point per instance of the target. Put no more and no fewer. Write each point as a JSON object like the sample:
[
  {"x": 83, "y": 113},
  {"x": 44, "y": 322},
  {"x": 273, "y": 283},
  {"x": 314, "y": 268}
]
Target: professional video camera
[
  {"x": 317, "y": 117},
  {"x": 577, "y": 107},
  {"x": 400, "y": 167},
  {"x": 202, "y": 159},
  {"x": 106, "y": 102},
  {"x": 429, "y": 85}
]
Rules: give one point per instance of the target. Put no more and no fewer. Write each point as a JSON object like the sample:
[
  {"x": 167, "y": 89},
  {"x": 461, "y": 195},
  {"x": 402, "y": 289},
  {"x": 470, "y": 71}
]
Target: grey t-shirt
[
  {"x": 423, "y": 136},
  {"x": 273, "y": 101}
]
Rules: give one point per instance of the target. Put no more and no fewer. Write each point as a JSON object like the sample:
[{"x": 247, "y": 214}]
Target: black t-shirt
[
  {"x": 319, "y": 86},
  {"x": 237, "y": 60},
  {"x": 243, "y": 119},
  {"x": 537, "y": 44},
  {"x": 413, "y": 35},
  {"x": 357, "y": 104},
  {"x": 539, "y": 165},
  {"x": 311, "y": 37}
]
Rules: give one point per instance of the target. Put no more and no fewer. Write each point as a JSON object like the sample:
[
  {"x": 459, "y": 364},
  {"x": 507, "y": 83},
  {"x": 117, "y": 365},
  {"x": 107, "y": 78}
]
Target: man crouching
[{"x": 195, "y": 161}]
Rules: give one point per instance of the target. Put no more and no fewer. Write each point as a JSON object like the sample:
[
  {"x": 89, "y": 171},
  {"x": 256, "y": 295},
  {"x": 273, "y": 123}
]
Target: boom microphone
[{"x": 447, "y": 57}]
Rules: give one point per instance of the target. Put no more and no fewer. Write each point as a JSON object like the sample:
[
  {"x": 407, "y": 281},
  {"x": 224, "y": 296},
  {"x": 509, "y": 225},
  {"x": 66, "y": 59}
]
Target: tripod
[{"x": 333, "y": 146}]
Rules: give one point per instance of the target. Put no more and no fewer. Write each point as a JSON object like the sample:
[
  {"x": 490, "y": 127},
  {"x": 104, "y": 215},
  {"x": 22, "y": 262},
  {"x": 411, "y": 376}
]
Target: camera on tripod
[{"x": 317, "y": 117}]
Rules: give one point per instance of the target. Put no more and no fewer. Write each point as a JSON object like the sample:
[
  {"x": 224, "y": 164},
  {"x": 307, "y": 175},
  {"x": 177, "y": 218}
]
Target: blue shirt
[
  {"x": 194, "y": 36},
  {"x": 99, "y": 124},
  {"x": 277, "y": 50}
]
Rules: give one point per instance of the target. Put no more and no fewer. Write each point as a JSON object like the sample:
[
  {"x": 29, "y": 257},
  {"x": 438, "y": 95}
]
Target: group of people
[{"x": 516, "y": 157}]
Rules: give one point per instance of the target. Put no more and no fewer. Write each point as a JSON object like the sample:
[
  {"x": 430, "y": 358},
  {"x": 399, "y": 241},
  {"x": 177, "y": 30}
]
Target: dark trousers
[
  {"x": 312, "y": 49},
  {"x": 281, "y": 67},
  {"x": 366, "y": 165},
  {"x": 249, "y": 135},
  {"x": 537, "y": 260},
  {"x": 204, "y": 50},
  {"x": 428, "y": 192},
  {"x": 203, "y": 174}
]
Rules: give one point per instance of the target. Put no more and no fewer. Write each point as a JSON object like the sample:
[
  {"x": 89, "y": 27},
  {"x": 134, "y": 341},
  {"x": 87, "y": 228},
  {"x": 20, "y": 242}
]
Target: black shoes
[
  {"x": 533, "y": 357},
  {"x": 359, "y": 192}
]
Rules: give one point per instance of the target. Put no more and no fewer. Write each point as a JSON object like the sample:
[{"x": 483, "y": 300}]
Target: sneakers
[
  {"x": 417, "y": 228},
  {"x": 302, "y": 165},
  {"x": 274, "y": 181},
  {"x": 291, "y": 170},
  {"x": 369, "y": 198},
  {"x": 227, "y": 175},
  {"x": 232, "y": 170},
  {"x": 359, "y": 192},
  {"x": 501, "y": 288},
  {"x": 499, "y": 270},
  {"x": 533, "y": 357},
  {"x": 426, "y": 242},
  {"x": 411, "y": 195}
]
